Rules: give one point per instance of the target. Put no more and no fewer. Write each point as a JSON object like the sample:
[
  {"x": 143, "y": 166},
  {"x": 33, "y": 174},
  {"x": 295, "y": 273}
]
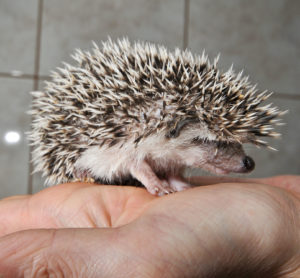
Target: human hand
[{"x": 245, "y": 228}]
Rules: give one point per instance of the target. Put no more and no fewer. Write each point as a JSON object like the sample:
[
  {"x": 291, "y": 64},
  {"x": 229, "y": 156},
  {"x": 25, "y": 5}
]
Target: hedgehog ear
[
  {"x": 247, "y": 138},
  {"x": 176, "y": 126}
]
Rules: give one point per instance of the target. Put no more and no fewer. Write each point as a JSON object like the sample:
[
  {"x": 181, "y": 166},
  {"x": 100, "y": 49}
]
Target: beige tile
[
  {"x": 74, "y": 24},
  {"x": 261, "y": 37},
  {"x": 17, "y": 31},
  {"x": 15, "y": 101},
  {"x": 38, "y": 183}
]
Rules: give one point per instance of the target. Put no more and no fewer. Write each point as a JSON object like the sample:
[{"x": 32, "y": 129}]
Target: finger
[
  {"x": 28, "y": 211},
  {"x": 288, "y": 182},
  {"x": 73, "y": 205},
  {"x": 13, "y": 211},
  {"x": 209, "y": 180},
  {"x": 79, "y": 253},
  {"x": 62, "y": 253}
]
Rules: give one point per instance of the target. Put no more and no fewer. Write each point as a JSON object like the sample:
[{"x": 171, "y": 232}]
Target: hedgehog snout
[
  {"x": 246, "y": 165},
  {"x": 228, "y": 158}
]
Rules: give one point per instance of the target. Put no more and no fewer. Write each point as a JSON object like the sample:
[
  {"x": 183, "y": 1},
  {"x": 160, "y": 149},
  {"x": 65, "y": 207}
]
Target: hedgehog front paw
[
  {"x": 162, "y": 188},
  {"x": 173, "y": 184}
]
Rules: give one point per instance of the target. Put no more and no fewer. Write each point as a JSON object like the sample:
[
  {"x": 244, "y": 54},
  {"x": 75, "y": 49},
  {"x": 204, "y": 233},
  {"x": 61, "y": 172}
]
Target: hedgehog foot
[
  {"x": 83, "y": 176},
  {"x": 86, "y": 180},
  {"x": 144, "y": 173},
  {"x": 178, "y": 184}
]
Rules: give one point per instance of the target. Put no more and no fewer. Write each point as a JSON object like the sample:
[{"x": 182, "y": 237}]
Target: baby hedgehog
[{"x": 141, "y": 113}]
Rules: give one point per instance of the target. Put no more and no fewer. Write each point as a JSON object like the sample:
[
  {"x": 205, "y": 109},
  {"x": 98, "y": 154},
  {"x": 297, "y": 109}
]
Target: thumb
[
  {"x": 62, "y": 253},
  {"x": 288, "y": 182}
]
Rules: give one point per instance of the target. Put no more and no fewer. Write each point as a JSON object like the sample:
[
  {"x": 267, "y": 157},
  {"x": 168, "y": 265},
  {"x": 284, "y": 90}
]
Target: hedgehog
[{"x": 139, "y": 113}]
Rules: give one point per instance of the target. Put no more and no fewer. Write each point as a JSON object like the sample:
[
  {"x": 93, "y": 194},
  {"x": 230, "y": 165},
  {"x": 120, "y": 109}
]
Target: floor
[{"x": 261, "y": 37}]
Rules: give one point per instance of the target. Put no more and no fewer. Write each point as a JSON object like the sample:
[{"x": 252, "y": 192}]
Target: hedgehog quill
[{"x": 140, "y": 113}]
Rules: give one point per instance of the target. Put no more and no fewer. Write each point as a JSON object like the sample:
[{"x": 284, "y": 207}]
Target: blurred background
[{"x": 261, "y": 37}]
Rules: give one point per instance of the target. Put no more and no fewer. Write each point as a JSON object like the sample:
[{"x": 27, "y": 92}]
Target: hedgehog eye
[
  {"x": 179, "y": 126},
  {"x": 172, "y": 132}
]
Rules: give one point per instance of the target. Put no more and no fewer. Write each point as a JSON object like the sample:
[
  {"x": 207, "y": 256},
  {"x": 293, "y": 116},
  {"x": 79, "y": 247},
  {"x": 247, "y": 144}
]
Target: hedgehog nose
[{"x": 249, "y": 164}]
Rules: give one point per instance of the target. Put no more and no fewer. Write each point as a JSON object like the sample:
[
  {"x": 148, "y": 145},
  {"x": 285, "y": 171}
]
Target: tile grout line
[
  {"x": 186, "y": 22},
  {"x": 36, "y": 83},
  {"x": 38, "y": 45},
  {"x": 21, "y": 75}
]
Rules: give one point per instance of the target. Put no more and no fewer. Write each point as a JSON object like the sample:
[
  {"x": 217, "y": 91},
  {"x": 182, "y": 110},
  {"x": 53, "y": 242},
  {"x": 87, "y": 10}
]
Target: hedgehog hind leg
[
  {"x": 144, "y": 173},
  {"x": 178, "y": 183}
]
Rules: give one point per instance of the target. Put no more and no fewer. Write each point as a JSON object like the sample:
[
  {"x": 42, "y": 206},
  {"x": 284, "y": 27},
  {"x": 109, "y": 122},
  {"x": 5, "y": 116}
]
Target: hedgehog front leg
[{"x": 144, "y": 173}]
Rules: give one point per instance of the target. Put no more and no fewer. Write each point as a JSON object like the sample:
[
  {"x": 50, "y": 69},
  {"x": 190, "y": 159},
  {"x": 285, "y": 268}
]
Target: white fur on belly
[{"x": 162, "y": 154}]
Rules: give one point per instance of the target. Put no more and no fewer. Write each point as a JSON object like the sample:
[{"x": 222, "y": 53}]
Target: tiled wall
[{"x": 261, "y": 37}]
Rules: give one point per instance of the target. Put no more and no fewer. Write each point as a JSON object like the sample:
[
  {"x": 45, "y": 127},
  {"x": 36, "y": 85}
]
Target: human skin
[{"x": 228, "y": 228}]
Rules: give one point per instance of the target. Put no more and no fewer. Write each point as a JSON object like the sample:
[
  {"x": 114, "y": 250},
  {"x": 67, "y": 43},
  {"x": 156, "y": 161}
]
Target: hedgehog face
[
  {"x": 222, "y": 157},
  {"x": 207, "y": 152}
]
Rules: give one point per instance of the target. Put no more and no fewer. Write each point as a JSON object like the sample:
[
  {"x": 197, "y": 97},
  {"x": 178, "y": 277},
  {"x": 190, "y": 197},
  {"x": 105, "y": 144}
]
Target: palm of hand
[{"x": 187, "y": 234}]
